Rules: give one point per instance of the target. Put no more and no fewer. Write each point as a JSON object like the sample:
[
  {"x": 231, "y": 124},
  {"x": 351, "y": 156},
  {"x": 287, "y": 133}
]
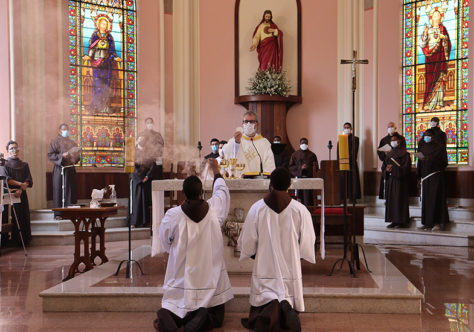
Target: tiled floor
[{"x": 444, "y": 274}]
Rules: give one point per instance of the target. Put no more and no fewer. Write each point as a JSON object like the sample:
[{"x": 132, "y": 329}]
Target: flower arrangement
[{"x": 269, "y": 82}]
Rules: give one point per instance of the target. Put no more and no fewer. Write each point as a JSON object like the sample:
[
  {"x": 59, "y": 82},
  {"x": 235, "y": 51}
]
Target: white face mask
[
  {"x": 394, "y": 144},
  {"x": 249, "y": 129},
  {"x": 433, "y": 124},
  {"x": 13, "y": 153},
  {"x": 149, "y": 126},
  {"x": 304, "y": 147},
  {"x": 347, "y": 131},
  {"x": 391, "y": 130},
  {"x": 64, "y": 133},
  {"x": 220, "y": 152}
]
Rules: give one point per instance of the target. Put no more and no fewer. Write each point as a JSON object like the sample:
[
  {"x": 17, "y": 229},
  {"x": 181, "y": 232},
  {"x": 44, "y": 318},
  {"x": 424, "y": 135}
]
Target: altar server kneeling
[
  {"x": 277, "y": 233},
  {"x": 196, "y": 283}
]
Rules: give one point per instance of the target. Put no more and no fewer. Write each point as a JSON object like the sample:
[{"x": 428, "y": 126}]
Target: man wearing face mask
[
  {"x": 280, "y": 152},
  {"x": 437, "y": 134},
  {"x": 214, "y": 148},
  {"x": 430, "y": 171},
  {"x": 348, "y": 131},
  {"x": 301, "y": 166},
  {"x": 153, "y": 145},
  {"x": 19, "y": 179},
  {"x": 63, "y": 153},
  {"x": 391, "y": 132},
  {"x": 141, "y": 186},
  {"x": 250, "y": 148},
  {"x": 397, "y": 171}
]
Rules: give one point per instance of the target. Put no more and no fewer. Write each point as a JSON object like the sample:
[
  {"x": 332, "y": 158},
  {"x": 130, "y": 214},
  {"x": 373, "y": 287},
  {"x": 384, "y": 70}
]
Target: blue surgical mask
[
  {"x": 427, "y": 139},
  {"x": 214, "y": 148},
  {"x": 64, "y": 133}
]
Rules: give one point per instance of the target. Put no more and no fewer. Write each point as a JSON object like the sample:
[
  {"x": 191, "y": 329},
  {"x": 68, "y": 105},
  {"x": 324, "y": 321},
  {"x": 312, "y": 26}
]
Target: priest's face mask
[
  {"x": 391, "y": 128},
  {"x": 250, "y": 125},
  {"x": 347, "y": 129},
  {"x": 13, "y": 151},
  {"x": 394, "y": 142},
  {"x": 64, "y": 131}
]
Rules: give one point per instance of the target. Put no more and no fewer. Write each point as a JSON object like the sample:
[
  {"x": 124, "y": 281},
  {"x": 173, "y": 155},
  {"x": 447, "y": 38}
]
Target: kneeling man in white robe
[
  {"x": 196, "y": 283},
  {"x": 278, "y": 232}
]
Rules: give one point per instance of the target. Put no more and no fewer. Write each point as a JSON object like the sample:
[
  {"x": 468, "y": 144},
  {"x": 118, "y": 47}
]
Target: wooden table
[{"x": 88, "y": 223}]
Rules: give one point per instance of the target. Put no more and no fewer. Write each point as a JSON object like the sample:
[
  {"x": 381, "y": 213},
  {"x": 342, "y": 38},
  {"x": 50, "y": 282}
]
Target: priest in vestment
[
  {"x": 251, "y": 148},
  {"x": 19, "y": 179},
  {"x": 430, "y": 170},
  {"x": 278, "y": 232},
  {"x": 391, "y": 131},
  {"x": 196, "y": 284},
  {"x": 63, "y": 152},
  {"x": 397, "y": 177},
  {"x": 268, "y": 40}
]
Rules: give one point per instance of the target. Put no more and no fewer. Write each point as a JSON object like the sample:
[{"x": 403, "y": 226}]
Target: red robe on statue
[
  {"x": 436, "y": 64},
  {"x": 270, "y": 50}
]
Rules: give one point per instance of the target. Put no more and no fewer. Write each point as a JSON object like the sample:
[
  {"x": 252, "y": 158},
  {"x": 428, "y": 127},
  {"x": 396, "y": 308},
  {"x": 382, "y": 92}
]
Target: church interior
[{"x": 85, "y": 82}]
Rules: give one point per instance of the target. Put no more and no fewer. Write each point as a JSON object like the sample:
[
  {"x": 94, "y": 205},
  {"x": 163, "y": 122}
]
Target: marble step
[
  {"x": 458, "y": 209},
  {"x": 47, "y": 238},
  {"x": 455, "y": 212},
  {"x": 460, "y": 227},
  {"x": 391, "y": 291},
  {"x": 376, "y": 232}
]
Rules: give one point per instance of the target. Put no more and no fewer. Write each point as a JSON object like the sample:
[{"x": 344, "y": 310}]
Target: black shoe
[
  {"x": 392, "y": 225},
  {"x": 290, "y": 317},
  {"x": 197, "y": 322},
  {"x": 425, "y": 228}
]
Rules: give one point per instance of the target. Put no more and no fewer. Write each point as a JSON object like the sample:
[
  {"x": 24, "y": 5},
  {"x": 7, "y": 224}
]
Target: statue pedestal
[
  {"x": 243, "y": 194},
  {"x": 271, "y": 111}
]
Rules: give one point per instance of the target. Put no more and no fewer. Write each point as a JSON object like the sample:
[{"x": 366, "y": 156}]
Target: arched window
[
  {"x": 102, "y": 78},
  {"x": 435, "y": 72}
]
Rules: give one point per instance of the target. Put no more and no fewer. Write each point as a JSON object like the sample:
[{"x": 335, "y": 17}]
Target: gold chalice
[
  {"x": 240, "y": 166},
  {"x": 232, "y": 162},
  {"x": 224, "y": 164}
]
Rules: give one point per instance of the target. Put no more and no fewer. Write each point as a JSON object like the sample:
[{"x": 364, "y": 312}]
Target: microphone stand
[{"x": 260, "y": 176}]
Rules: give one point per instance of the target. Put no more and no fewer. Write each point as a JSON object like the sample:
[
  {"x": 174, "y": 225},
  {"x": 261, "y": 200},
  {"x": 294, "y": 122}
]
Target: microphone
[
  {"x": 261, "y": 164},
  {"x": 199, "y": 147}
]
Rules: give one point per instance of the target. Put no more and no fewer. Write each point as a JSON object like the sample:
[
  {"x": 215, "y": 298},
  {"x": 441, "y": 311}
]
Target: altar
[{"x": 243, "y": 193}]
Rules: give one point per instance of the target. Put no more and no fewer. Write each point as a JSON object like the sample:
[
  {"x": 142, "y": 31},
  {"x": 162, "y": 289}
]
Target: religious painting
[
  {"x": 435, "y": 72},
  {"x": 267, "y": 40},
  {"x": 102, "y": 78}
]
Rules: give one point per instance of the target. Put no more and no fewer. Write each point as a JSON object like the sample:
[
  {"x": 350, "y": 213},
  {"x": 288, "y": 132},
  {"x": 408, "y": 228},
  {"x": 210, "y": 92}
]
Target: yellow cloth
[{"x": 343, "y": 153}]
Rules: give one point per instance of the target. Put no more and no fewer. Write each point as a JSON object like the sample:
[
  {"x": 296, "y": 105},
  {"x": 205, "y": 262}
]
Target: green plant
[{"x": 269, "y": 82}]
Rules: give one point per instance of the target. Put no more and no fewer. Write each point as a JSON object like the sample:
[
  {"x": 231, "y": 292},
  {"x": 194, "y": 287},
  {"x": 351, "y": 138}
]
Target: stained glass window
[
  {"x": 435, "y": 72},
  {"x": 102, "y": 78}
]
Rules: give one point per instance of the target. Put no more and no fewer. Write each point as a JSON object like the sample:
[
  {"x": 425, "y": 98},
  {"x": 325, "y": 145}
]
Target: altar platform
[{"x": 385, "y": 290}]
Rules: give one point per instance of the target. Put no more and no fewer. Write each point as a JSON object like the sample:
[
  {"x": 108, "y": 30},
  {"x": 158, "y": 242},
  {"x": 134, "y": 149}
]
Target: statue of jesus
[{"x": 268, "y": 41}]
